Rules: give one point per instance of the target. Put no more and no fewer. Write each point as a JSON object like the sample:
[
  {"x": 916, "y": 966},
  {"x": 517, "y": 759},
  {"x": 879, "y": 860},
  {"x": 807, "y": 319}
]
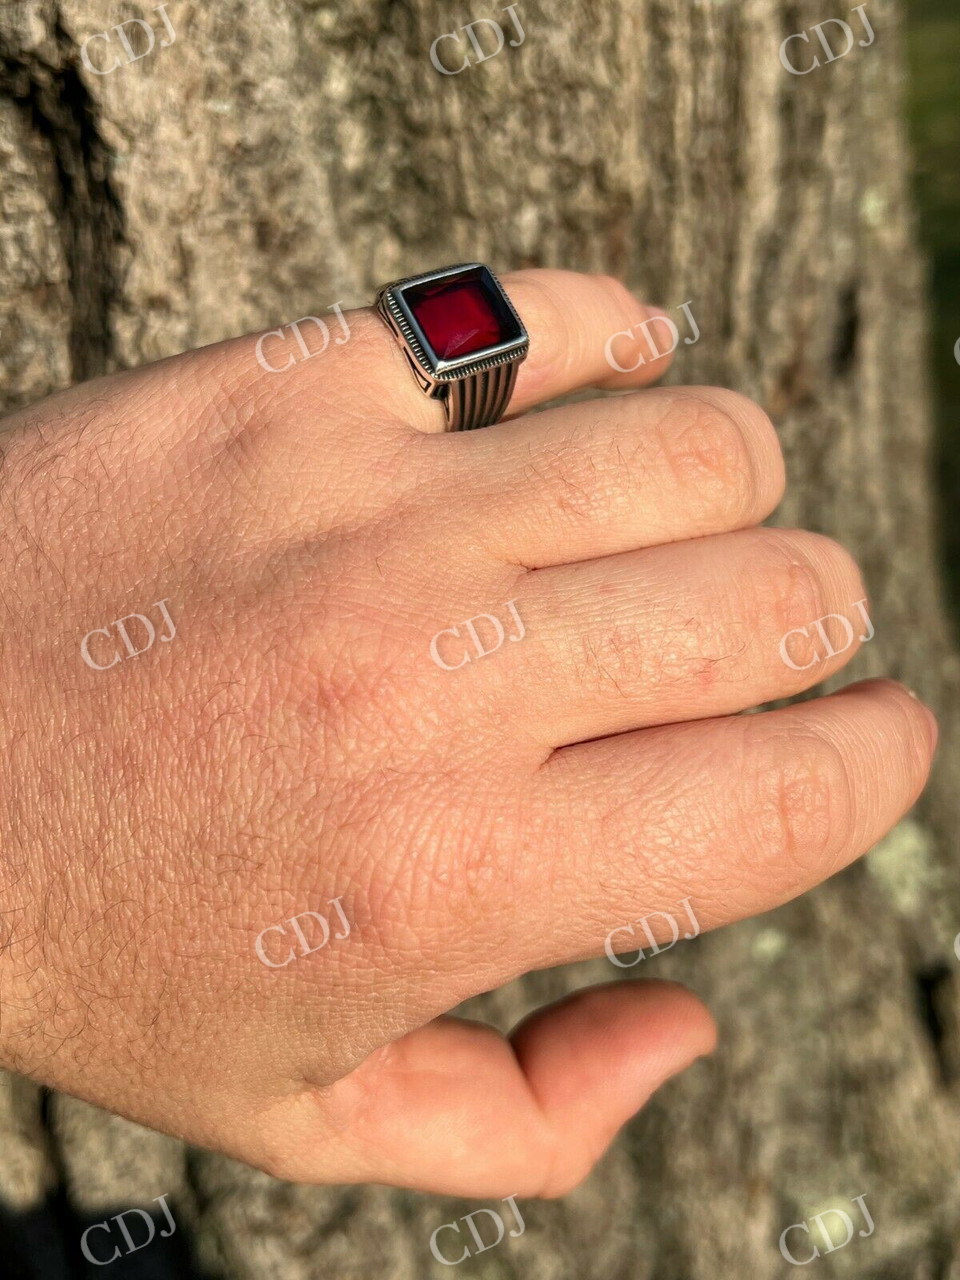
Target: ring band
[{"x": 462, "y": 338}]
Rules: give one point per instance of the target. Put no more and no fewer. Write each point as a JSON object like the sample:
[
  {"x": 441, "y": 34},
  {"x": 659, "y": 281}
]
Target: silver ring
[{"x": 462, "y": 338}]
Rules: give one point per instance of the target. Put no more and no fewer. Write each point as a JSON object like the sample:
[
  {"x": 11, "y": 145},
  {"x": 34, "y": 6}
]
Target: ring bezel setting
[{"x": 419, "y": 308}]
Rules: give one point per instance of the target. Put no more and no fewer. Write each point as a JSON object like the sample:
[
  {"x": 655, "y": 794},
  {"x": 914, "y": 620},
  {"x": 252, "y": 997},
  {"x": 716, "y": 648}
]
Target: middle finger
[{"x": 614, "y": 474}]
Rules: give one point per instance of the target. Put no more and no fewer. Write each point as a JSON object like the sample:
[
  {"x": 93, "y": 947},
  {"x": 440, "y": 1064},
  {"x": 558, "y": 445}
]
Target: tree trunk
[{"x": 279, "y": 157}]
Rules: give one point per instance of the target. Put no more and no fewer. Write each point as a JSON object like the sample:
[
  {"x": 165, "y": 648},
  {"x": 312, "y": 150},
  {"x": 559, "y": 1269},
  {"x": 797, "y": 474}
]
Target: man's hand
[{"x": 305, "y": 735}]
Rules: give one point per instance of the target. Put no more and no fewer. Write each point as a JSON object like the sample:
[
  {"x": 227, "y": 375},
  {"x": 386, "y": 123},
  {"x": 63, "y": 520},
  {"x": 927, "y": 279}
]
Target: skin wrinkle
[{"x": 740, "y": 460}]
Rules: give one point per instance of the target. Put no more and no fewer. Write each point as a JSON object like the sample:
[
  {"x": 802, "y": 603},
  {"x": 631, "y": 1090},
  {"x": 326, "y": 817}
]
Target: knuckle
[
  {"x": 769, "y": 461},
  {"x": 239, "y": 427},
  {"x": 916, "y": 751},
  {"x": 816, "y": 580},
  {"x": 706, "y": 448},
  {"x": 451, "y": 858},
  {"x": 794, "y": 579},
  {"x": 799, "y": 805}
]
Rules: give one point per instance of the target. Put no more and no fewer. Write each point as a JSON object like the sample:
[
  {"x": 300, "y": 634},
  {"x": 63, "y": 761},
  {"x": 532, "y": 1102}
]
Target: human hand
[{"x": 295, "y": 743}]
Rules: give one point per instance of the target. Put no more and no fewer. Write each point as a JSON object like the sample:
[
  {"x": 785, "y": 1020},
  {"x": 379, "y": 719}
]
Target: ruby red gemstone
[{"x": 460, "y": 316}]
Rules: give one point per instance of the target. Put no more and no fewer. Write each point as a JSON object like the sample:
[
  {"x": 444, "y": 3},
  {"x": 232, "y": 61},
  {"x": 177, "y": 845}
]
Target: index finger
[{"x": 586, "y": 331}]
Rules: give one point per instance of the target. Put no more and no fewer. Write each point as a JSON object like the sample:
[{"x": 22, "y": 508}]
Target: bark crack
[
  {"x": 62, "y": 114},
  {"x": 934, "y": 990}
]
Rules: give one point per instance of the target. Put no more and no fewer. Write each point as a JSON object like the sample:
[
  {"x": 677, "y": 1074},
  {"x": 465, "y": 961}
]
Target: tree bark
[{"x": 279, "y": 157}]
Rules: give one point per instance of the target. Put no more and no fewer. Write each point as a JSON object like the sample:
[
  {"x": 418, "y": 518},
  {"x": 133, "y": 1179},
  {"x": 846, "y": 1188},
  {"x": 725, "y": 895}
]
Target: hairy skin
[{"x": 295, "y": 743}]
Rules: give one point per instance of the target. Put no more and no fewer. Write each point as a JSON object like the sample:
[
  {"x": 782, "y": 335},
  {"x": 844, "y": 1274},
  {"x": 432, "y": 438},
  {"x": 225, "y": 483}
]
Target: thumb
[{"x": 457, "y": 1109}]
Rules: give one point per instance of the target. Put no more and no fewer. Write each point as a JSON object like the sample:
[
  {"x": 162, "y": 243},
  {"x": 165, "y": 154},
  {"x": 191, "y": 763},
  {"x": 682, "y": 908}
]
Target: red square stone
[{"x": 460, "y": 316}]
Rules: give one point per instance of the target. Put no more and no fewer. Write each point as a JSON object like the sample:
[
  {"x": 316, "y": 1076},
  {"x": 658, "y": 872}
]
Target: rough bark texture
[{"x": 279, "y": 157}]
